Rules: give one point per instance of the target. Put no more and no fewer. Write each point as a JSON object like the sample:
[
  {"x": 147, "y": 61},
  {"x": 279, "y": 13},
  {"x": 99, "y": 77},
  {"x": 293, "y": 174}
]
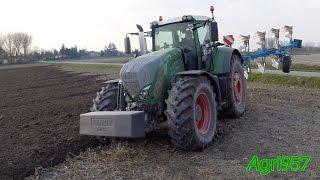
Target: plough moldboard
[{"x": 268, "y": 48}]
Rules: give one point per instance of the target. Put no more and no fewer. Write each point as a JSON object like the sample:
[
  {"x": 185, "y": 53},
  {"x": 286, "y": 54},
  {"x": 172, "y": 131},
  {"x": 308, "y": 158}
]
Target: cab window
[
  {"x": 174, "y": 35},
  {"x": 164, "y": 39},
  {"x": 203, "y": 34}
]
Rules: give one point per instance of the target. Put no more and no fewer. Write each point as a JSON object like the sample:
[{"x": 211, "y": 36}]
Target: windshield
[{"x": 174, "y": 35}]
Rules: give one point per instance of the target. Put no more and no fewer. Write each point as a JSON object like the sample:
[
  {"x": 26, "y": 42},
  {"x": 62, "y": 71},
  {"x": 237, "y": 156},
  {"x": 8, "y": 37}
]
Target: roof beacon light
[
  {"x": 211, "y": 10},
  {"x": 160, "y": 18}
]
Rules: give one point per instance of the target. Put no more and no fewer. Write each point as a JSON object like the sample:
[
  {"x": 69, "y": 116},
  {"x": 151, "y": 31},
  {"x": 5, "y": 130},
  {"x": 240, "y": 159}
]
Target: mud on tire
[
  {"x": 106, "y": 99},
  {"x": 237, "y": 90},
  {"x": 184, "y": 116}
]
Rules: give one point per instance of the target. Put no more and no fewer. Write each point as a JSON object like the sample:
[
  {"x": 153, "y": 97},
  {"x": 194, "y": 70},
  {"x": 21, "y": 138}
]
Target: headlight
[
  {"x": 144, "y": 93},
  {"x": 187, "y": 18},
  {"x": 184, "y": 18}
]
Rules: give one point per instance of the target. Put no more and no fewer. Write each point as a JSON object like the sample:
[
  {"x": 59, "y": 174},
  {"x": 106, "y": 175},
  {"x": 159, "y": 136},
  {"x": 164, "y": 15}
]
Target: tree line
[
  {"x": 73, "y": 53},
  {"x": 15, "y": 46}
]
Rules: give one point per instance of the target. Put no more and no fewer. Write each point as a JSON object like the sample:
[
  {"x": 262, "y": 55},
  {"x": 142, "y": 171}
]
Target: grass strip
[{"x": 306, "y": 82}]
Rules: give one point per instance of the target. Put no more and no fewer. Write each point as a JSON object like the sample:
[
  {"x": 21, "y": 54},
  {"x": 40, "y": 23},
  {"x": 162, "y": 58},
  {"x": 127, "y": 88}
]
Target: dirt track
[
  {"x": 278, "y": 121},
  {"x": 39, "y": 110},
  {"x": 40, "y": 106},
  {"x": 310, "y": 59}
]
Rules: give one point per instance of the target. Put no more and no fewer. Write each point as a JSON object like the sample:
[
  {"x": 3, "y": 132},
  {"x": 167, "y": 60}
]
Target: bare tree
[
  {"x": 26, "y": 44},
  {"x": 17, "y": 42},
  {"x": 8, "y": 46},
  {"x": 1, "y": 41},
  {"x": 2, "y": 53}
]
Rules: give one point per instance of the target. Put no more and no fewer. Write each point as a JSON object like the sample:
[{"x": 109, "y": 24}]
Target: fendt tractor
[{"x": 187, "y": 79}]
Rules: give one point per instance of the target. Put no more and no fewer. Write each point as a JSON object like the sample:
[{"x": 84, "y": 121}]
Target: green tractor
[{"x": 187, "y": 79}]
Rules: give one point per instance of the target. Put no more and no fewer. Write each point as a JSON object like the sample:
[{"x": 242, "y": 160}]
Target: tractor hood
[{"x": 141, "y": 71}]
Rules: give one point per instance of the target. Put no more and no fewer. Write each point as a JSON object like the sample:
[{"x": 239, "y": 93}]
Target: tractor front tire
[
  {"x": 237, "y": 90},
  {"x": 191, "y": 113},
  {"x": 106, "y": 99},
  {"x": 286, "y": 64}
]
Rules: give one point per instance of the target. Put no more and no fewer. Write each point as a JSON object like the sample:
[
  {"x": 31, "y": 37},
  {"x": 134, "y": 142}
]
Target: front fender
[
  {"x": 113, "y": 81},
  {"x": 221, "y": 59},
  {"x": 213, "y": 78}
]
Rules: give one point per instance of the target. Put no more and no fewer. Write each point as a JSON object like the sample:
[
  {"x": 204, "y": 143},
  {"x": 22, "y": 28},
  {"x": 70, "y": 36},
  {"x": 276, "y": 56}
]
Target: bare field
[
  {"x": 39, "y": 111},
  {"x": 39, "y": 124},
  {"x": 99, "y": 60},
  {"x": 278, "y": 121},
  {"x": 102, "y": 69}
]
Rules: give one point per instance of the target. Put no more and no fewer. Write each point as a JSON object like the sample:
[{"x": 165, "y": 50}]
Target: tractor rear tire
[
  {"x": 286, "y": 64},
  {"x": 106, "y": 99},
  {"x": 237, "y": 90},
  {"x": 192, "y": 113}
]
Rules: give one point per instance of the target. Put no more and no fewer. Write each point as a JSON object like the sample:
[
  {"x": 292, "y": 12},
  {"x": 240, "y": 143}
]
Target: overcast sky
[{"x": 91, "y": 24}]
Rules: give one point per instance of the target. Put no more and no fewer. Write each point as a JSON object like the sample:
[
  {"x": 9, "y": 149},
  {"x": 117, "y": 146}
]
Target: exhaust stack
[{"x": 142, "y": 40}]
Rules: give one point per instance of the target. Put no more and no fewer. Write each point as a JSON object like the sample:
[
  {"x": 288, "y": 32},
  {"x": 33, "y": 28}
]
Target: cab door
[{"x": 204, "y": 49}]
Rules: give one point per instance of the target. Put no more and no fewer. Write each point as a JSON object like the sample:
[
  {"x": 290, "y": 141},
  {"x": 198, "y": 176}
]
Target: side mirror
[
  {"x": 213, "y": 31},
  {"x": 127, "y": 45}
]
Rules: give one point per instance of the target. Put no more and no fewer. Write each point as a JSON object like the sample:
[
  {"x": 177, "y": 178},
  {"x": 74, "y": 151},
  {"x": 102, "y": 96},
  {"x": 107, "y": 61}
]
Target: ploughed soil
[
  {"x": 39, "y": 117},
  {"x": 39, "y": 124},
  {"x": 278, "y": 121}
]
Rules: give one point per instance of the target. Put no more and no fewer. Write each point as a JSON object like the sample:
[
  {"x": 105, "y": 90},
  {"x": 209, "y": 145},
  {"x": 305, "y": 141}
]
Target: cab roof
[{"x": 179, "y": 19}]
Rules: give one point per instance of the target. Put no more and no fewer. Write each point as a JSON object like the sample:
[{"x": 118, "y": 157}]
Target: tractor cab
[
  {"x": 189, "y": 33},
  {"x": 180, "y": 33},
  {"x": 177, "y": 35}
]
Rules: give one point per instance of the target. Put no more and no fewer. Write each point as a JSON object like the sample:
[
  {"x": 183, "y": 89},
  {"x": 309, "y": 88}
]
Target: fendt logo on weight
[{"x": 101, "y": 122}]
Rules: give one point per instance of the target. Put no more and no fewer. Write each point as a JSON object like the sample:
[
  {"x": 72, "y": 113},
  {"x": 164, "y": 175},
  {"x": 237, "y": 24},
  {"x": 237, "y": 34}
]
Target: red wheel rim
[
  {"x": 237, "y": 86},
  {"x": 203, "y": 117}
]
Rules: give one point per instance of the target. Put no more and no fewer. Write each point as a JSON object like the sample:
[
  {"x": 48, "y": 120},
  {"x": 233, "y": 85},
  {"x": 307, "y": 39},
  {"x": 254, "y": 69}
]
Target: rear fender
[
  {"x": 213, "y": 78},
  {"x": 221, "y": 59}
]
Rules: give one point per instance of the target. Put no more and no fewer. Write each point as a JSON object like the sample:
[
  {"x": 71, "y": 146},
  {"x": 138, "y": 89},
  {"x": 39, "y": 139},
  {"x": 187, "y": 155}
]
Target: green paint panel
[
  {"x": 219, "y": 60},
  {"x": 171, "y": 65}
]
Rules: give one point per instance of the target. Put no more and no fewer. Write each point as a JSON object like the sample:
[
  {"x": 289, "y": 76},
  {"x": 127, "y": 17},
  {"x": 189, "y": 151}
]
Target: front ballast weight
[
  {"x": 122, "y": 124},
  {"x": 281, "y": 54},
  {"x": 113, "y": 114},
  {"x": 108, "y": 116}
]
